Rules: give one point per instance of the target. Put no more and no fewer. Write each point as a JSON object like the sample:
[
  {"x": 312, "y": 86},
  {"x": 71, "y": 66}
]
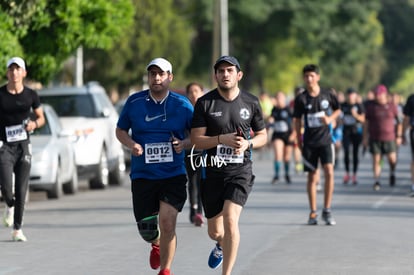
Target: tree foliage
[
  {"x": 356, "y": 43},
  {"x": 49, "y": 31},
  {"x": 158, "y": 31}
]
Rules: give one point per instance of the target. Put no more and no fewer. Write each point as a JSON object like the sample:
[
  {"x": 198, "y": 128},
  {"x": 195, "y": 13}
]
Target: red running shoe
[
  {"x": 155, "y": 257},
  {"x": 346, "y": 179},
  {"x": 198, "y": 219},
  {"x": 165, "y": 271}
]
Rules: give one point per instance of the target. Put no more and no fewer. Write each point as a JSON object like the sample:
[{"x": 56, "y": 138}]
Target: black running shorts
[
  {"x": 147, "y": 194},
  {"x": 311, "y": 156},
  {"x": 218, "y": 188}
]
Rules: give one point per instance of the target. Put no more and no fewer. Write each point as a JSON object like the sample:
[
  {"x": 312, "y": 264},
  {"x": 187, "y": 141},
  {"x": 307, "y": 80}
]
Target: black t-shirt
[
  {"x": 14, "y": 108},
  {"x": 220, "y": 116},
  {"x": 313, "y": 108},
  {"x": 283, "y": 120},
  {"x": 349, "y": 122},
  {"x": 408, "y": 109}
]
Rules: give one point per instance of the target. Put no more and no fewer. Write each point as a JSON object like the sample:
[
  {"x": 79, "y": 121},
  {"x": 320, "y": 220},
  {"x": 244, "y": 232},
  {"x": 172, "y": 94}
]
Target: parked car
[
  {"x": 127, "y": 152},
  {"x": 53, "y": 158},
  {"x": 89, "y": 118}
]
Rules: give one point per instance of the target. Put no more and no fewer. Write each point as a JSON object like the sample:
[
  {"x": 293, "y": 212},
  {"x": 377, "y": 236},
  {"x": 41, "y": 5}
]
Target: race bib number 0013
[
  {"x": 158, "y": 152},
  {"x": 226, "y": 153}
]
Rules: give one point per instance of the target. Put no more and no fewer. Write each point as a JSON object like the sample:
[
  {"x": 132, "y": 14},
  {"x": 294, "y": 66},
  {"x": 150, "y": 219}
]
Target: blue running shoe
[{"x": 216, "y": 257}]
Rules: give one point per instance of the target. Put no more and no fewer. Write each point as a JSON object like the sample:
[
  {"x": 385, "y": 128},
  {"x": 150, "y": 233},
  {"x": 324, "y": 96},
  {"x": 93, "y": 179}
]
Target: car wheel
[
  {"x": 55, "y": 191},
  {"x": 71, "y": 187},
  {"x": 100, "y": 181}
]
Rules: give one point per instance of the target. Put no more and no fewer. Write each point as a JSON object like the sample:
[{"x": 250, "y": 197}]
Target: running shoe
[
  {"x": 8, "y": 217},
  {"x": 165, "y": 271},
  {"x": 17, "y": 236},
  {"x": 155, "y": 256},
  {"x": 392, "y": 180},
  {"x": 287, "y": 178},
  {"x": 216, "y": 257},
  {"x": 198, "y": 219},
  {"x": 298, "y": 168},
  {"x": 346, "y": 179},
  {"x": 275, "y": 180},
  {"x": 319, "y": 187},
  {"x": 354, "y": 180},
  {"x": 327, "y": 217},
  {"x": 377, "y": 186},
  {"x": 313, "y": 218}
]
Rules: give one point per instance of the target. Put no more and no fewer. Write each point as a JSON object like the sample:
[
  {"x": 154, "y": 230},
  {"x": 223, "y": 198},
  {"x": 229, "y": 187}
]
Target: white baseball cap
[
  {"x": 161, "y": 63},
  {"x": 18, "y": 61}
]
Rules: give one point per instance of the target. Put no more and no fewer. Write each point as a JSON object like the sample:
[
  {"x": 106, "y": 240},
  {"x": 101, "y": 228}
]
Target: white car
[
  {"x": 89, "y": 118},
  {"x": 53, "y": 159}
]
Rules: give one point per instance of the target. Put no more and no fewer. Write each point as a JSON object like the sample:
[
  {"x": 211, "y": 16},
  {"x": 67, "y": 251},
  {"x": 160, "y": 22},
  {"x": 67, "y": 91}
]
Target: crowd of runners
[{"x": 376, "y": 122}]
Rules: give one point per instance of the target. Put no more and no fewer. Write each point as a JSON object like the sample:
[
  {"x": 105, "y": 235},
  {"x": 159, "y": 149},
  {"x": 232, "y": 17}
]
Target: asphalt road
[{"x": 93, "y": 232}]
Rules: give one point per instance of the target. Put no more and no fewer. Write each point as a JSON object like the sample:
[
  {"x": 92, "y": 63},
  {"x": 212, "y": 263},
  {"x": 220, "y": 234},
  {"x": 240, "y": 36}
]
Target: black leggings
[
  {"x": 354, "y": 140},
  {"x": 15, "y": 158},
  {"x": 194, "y": 180}
]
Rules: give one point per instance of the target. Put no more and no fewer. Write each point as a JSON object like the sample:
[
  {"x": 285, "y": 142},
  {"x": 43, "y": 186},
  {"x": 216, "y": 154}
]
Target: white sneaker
[
  {"x": 17, "y": 236},
  {"x": 8, "y": 217}
]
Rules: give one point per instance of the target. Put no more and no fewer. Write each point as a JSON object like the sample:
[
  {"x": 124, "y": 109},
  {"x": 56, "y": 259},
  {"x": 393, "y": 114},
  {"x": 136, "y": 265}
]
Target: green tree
[
  {"x": 274, "y": 39},
  {"x": 159, "y": 30},
  {"x": 49, "y": 31},
  {"x": 397, "y": 19}
]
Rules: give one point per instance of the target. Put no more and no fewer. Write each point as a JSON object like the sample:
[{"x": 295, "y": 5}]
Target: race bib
[
  {"x": 15, "y": 133},
  {"x": 281, "y": 126},
  {"x": 226, "y": 153},
  {"x": 349, "y": 120},
  {"x": 314, "y": 120},
  {"x": 158, "y": 152}
]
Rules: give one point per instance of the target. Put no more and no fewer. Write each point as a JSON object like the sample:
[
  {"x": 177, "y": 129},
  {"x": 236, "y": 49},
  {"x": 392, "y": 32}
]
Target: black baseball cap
[
  {"x": 229, "y": 59},
  {"x": 351, "y": 90}
]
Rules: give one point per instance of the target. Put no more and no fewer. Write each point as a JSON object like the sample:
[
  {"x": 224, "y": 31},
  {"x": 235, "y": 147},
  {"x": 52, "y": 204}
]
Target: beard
[{"x": 225, "y": 88}]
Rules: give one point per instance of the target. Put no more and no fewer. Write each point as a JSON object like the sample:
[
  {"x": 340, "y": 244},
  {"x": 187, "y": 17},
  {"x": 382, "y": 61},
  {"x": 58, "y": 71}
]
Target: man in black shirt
[
  {"x": 224, "y": 122},
  {"x": 408, "y": 123},
  {"x": 319, "y": 108},
  {"x": 16, "y": 101}
]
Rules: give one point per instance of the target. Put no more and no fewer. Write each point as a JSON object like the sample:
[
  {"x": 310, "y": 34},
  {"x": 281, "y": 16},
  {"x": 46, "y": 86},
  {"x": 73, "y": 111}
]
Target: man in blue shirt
[{"x": 159, "y": 121}]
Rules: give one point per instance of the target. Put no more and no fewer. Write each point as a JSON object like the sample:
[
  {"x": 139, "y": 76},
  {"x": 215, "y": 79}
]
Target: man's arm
[
  {"x": 298, "y": 126},
  {"x": 329, "y": 119},
  {"x": 259, "y": 139},
  {"x": 125, "y": 139},
  {"x": 201, "y": 141},
  {"x": 406, "y": 125}
]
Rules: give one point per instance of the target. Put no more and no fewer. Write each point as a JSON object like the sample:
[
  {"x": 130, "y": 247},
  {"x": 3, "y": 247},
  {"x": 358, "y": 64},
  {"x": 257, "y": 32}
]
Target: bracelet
[
  {"x": 37, "y": 125},
  {"x": 218, "y": 139}
]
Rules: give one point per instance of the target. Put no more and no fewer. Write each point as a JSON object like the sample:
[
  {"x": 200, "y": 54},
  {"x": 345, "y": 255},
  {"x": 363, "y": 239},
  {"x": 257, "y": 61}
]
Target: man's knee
[{"x": 148, "y": 228}]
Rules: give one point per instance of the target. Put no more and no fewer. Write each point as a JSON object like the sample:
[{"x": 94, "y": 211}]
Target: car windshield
[{"x": 71, "y": 105}]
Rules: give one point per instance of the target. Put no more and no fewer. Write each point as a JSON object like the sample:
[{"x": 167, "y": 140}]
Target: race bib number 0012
[{"x": 158, "y": 152}]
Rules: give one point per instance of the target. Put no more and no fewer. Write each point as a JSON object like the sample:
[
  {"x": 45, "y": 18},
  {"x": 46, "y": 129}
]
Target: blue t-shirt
[{"x": 152, "y": 125}]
